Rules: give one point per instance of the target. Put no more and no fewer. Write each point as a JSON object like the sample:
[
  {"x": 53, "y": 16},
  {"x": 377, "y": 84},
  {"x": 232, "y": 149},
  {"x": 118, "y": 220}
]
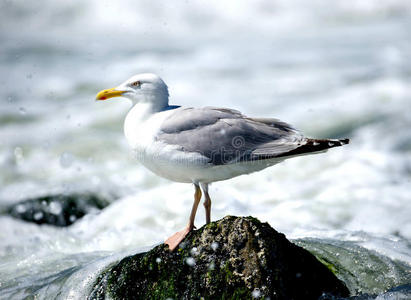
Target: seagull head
[{"x": 141, "y": 88}]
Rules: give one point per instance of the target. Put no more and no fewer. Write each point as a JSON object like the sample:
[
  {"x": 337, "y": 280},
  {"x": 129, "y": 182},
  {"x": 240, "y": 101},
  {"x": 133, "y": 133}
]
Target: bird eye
[{"x": 136, "y": 83}]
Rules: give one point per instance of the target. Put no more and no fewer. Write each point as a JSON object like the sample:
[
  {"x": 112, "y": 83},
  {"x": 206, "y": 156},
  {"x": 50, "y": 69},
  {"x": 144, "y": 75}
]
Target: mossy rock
[
  {"x": 58, "y": 210},
  {"x": 233, "y": 258}
]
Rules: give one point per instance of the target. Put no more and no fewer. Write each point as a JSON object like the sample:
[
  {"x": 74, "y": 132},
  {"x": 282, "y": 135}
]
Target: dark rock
[
  {"x": 399, "y": 292},
  {"x": 58, "y": 210},
  {"x": 233, "y": 258}
]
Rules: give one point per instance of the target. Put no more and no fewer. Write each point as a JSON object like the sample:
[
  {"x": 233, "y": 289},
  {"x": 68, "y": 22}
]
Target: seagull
[{"x": 203, "y": 145}]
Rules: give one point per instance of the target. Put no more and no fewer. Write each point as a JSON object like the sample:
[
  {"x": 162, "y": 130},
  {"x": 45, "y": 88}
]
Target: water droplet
[
  {"x": 194, "y": 251},
  {"x": 55, "y": 208},
  {"x": 256, "y": 293},
  {"x": 183, "y": 245},
  {"x": 18, "y": 151},
  {"x": 214, "y": 246},
  {"x": 190, "y": 261},
  {"x": 66, "y": 160},
  {"x": 72, "y": 218},
  {"x": 18, "y": 155},
  {"x": 38, "y": 215},
  {"x": 158, "y": 260},
  {"x": 22, "y": 110},
  {"x": 21, "y": 208}
]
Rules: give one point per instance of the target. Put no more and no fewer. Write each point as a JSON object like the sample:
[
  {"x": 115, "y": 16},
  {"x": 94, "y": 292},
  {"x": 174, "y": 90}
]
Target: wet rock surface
[
  {"x": 364, "y": 271},
  {"x": 57, "y": 210},
  {"x": 233, "y": 258},
  {"x": 402, "y": 292}
]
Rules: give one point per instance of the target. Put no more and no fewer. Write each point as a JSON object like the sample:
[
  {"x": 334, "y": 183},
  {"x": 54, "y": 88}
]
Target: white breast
[{"x": 141, "y": 129}]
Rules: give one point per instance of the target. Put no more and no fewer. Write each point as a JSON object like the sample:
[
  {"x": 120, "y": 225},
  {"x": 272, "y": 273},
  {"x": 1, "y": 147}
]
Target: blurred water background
[{"x": 332, "y": 69}]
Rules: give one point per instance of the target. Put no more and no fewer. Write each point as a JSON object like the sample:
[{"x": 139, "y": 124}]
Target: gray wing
[{"x": 226, "y": 136}]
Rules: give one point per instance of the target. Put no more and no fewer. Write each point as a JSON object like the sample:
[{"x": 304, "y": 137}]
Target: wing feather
[{"x": 226, "y": 136}]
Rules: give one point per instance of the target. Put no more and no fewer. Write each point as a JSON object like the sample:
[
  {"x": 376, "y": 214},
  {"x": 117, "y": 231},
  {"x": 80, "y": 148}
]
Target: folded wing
[{"x": 226, "y": 136}]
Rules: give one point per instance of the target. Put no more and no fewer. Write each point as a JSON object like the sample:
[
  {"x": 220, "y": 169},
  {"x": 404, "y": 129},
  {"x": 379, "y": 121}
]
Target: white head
[{"x": 141, "y": 88}]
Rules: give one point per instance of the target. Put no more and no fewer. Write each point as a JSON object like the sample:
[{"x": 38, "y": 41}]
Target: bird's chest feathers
[{"x": 141, "y": 127}]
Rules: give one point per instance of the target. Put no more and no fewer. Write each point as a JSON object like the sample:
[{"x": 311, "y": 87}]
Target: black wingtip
[{"x": 344, "y": 141}]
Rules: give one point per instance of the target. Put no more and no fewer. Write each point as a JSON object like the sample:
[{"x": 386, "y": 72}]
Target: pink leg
[
  {"x": 174, "y": 240},
  {"x": 207, "y": 203}
]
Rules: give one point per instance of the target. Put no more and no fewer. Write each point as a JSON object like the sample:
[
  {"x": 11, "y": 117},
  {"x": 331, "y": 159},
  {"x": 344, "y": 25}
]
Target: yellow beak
[{"x": 110, "y": 93}]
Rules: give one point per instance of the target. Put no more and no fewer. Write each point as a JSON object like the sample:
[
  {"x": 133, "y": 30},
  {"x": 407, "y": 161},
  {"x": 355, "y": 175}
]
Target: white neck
[
  {"x": 141, "y": 111},
  {"x": 138, "y": 121}
]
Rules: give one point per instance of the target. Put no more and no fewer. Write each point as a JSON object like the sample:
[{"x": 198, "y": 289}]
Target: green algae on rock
[{"x": 233, "y": 258}]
